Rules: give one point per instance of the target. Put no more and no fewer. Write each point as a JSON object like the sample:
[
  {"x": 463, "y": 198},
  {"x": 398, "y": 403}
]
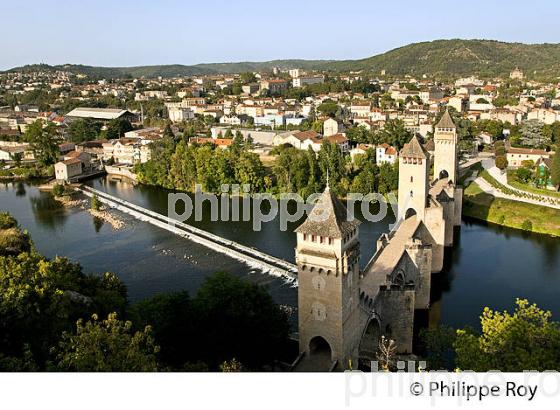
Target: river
[{"x": 488, "y": 266}]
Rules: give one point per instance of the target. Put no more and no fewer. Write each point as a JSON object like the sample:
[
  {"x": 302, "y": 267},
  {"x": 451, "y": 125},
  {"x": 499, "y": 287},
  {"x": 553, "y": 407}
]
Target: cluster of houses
[
  {"x": 262, "y": 111},
  {"x": 79, "y": 160}
]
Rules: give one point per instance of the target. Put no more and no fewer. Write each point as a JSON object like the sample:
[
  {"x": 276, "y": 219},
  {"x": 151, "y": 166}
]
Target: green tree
[
  {"x": 501, "y": 162},
  {"x": 247, "y": 77},
  {"x": 524, "y": 340},
  {"x": 330, "y": 159},
  {"x": 168, "y": 132},
  {"x": 524, "y": 174},
  {"x": 41, "y": 298},
  {"x": 388, "y": 178},
  {"x": 527, "y": 225},
  {"x": 58, "y": 190},
  {"x": 438, "y": 345},
  {"x": 117, "y": 127},
  {"x": 243, "y": 314},
  {"x": 44, "y": 142},
  {"x": 84, "y": 129},
  {"x": 95, "y": 203},
  {"x": 174, "y": 322},
  {"x": 107, "y": 346},
  {"x": 329, "y": 108},
  {"x": 394, "y": 133},
  {"x": 555, "y": 170},
  {"x": 249, "y": 170}
]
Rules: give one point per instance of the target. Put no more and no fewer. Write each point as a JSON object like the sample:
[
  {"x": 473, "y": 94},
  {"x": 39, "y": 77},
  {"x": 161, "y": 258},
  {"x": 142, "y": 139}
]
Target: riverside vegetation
[{"x": 55, "y": 317}]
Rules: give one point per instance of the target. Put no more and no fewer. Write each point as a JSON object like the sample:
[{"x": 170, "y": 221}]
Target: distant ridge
[{"x": 440, "y": 57}]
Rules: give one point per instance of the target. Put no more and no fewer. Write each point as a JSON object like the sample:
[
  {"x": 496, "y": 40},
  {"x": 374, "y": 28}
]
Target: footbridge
[{"x": 248, "y": 255}]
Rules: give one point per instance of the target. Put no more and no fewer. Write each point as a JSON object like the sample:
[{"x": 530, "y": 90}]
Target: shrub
[
  {"x": 95, "y": 203},
  {"x": 58, "y": 190},
  {"x": 524, "y": 174},
  {"x": 501, "y": 219},
  {"x": 527, "y": 225},
  {"x": 7, "y": 221},
  {"x": 501, "y": 162},
  {"x": 500, "y": 151}
]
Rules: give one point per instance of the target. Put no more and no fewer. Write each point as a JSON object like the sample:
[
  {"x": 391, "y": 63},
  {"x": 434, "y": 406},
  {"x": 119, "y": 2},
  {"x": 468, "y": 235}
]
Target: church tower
[
  {"x": 327, "y": 256},
  {"x": 414, "y": 168},
  {"x": 445, "y": 154}
]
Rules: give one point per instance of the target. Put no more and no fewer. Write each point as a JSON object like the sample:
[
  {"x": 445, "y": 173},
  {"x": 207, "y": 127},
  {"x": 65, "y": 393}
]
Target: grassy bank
[
  {"x": 513, "y": 214},
  {"x": 25, "y": 172},
  {"x": 514, "y": 182}
]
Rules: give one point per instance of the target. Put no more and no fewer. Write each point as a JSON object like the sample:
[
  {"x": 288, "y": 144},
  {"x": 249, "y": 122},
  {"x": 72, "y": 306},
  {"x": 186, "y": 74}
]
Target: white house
[
  {"x": 178, "y": 114},
  {"x": 64, "y": 170},
  {"x": 385, "y": 153}
]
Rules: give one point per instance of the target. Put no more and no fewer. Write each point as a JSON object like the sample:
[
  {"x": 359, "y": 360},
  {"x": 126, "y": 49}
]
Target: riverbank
[
  {"x": 25, "y": 173},
  {"x": 513, "y": 214}
]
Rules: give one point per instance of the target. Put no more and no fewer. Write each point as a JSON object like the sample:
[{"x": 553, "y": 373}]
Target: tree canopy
[
  {"x": 524, "y": 340},
  {"x": 107, "y": 346},
  {"x": 44, "y": 141}
]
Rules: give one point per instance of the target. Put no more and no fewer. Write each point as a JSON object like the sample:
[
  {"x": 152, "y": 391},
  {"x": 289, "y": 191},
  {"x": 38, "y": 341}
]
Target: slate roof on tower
[
  {"x": 328, "y": 218},
  {"x": 446, "y": 121},
  {"x": 414, "y": 149}
]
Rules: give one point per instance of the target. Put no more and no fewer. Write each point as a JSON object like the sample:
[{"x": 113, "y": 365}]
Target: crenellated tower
[
  {"x": 327, "y": 256},
  {"x": 414, "y": 168},
  {"x": 445, "y": 154}
]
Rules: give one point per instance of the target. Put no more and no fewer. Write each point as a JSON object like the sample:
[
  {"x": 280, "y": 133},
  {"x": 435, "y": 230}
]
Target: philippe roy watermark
[
  {"x": 236, "y": 203},
  {"x": 452, "y": 387}
]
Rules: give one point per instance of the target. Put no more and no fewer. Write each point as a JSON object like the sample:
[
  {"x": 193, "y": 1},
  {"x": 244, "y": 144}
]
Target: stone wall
[{"x": 396, "y": 307}]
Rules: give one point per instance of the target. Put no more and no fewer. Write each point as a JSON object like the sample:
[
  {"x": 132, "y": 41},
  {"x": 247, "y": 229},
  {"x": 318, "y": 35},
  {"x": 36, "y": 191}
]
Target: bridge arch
[
  {"x": 318, "y": 345},
  {"x": 369, "y": 342},
  {"x": 443, "y": 174}
]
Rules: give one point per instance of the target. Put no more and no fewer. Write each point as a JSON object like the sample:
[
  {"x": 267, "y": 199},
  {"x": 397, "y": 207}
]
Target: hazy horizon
[
  {"x": 262, "y": 61},
  {"x": 129, "y": 34}
]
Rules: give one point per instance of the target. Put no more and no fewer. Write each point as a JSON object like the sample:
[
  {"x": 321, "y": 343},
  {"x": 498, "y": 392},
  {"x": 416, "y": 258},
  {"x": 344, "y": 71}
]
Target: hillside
[
  {"x": 440, "y": 57},
  {"x": 173, "y": 70},
  {"x": 462, "y": 57}
]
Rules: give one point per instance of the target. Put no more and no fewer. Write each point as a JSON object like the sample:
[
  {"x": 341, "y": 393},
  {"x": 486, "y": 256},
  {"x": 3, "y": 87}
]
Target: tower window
[
  {"x": 331, "y": 241},
  {"x": 411, "y": 179},
  {"x": 321, "y": 239},
  {"x": 411, "y": 194},
  {"x": 312, "y": 238},
  {"x": 304, "y": 236}
]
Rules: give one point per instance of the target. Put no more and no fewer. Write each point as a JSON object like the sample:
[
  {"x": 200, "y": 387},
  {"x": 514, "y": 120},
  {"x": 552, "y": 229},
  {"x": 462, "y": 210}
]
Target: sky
[{"x": 131, "y": 33}]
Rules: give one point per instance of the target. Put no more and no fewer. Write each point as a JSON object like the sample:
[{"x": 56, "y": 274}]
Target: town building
[
  {"x": 67, "y": 169},
  {"x": 104, "y": 114},
  {"x": 179, "y": 114},
  {"x": 274, "y": 86},
  {"x": 516, "y": 156},
  {"x": 385, "y": 153},
  {"x": 299, "y": 82}
]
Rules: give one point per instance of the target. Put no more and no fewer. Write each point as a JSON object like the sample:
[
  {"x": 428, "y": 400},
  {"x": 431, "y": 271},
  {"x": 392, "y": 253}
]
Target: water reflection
[
  {"x": 47, "y": 211},
  {"x": 97, "y": 223},
  {"x": 20, "y": 189}
]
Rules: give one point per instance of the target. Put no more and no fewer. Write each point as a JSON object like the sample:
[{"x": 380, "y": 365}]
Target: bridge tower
[
  {"x": 327, "y": 256},
  {"x": 414, "y": 168},
  {"x": 445, "y": 154}
]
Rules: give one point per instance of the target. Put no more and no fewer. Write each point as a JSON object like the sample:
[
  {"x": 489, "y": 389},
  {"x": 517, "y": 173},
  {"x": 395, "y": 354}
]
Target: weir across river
[{"x": 248, "y": 255}]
